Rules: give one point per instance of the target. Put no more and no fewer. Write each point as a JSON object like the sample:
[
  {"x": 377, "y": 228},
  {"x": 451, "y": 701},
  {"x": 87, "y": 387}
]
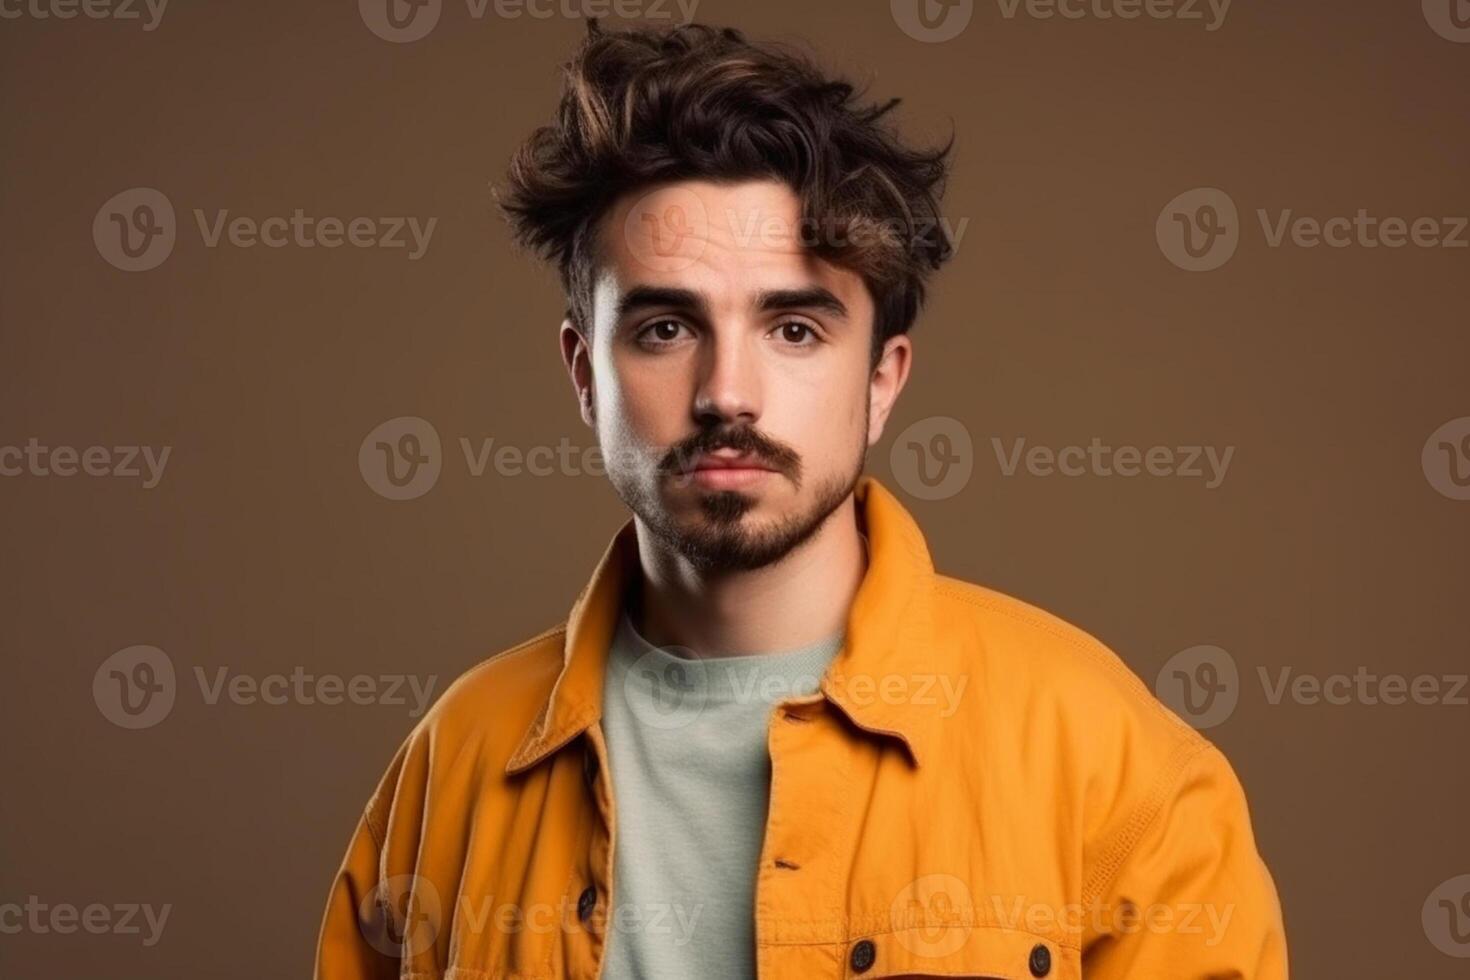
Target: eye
[
  {"x": 797, "y": 334},
  {"x": 657, "y": 333}
]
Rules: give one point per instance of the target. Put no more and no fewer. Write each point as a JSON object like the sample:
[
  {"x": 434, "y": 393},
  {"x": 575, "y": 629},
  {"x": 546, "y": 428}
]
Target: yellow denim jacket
[{"x": 978, "y": 790}]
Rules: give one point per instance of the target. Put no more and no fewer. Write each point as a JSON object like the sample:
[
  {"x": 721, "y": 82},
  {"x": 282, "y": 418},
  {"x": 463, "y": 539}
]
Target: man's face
[{"x": 728, "y": 377}]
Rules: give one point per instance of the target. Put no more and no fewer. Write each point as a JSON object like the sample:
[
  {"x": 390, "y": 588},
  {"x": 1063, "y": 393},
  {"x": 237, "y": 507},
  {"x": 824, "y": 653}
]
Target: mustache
[{"x": 743, "y": 439}]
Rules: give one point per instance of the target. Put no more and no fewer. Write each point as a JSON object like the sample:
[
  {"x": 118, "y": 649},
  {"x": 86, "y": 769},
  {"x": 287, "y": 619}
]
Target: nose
[{"x": 728, "y": 390}]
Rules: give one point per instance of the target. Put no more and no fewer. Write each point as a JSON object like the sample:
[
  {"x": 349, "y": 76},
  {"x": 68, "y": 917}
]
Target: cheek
[
  {"x": 643, "y": 407},
  {"x": 822, "y": 422}
]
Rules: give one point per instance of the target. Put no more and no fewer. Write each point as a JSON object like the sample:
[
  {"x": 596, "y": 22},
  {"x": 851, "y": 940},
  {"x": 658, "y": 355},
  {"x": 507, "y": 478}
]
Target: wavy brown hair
[{"x": 649, "y": 106}]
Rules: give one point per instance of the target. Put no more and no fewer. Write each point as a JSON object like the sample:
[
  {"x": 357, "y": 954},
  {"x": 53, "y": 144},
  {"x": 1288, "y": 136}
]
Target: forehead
[{"x": 725, "y": 240}]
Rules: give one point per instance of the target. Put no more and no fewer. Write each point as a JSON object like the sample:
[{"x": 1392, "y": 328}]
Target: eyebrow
[
  {"x": 642, "y": 297},
  {"x": 812, "y": 297},
  {"x": 809, "y": 298}
]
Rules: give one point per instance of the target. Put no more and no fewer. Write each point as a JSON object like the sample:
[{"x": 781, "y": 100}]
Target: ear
[
  {"x": 888, "y": 379},
  {"x": 576, "y": 353}
]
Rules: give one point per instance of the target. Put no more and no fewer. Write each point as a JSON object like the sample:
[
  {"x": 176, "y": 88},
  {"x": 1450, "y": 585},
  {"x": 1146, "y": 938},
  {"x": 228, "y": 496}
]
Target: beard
[{"x": 720, "y": 538}]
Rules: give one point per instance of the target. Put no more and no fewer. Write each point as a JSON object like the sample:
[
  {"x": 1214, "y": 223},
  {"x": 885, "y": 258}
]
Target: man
[{"x": 770, "y": 740}]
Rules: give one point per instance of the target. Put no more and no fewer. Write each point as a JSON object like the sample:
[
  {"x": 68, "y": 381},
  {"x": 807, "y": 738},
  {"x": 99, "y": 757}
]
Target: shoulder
[
  {"x": 522, "y": 670},
  {"x": 475, "y": 725},
  {"x": 1106, "y": 754},
  {"x": 1041, "y": 674},
  {"x": 501, "y": 695}
]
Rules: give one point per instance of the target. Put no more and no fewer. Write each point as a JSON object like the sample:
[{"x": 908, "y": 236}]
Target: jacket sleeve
[
  {"x": 1188, "y": 896},
  {"x": 344, "y": 948},
  {"x": 368, "y": 923}
]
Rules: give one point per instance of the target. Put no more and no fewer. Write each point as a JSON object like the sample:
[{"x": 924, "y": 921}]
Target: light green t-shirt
[{"x": 691, "y": 776}]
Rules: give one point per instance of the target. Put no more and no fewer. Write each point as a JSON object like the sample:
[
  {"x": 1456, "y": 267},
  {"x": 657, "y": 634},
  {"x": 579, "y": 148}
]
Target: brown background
[{"x": 264, "y": 549}]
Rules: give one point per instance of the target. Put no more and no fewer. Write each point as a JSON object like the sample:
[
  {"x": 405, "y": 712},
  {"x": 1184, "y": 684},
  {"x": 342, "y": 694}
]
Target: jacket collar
[{"x": 889, "y": 636}]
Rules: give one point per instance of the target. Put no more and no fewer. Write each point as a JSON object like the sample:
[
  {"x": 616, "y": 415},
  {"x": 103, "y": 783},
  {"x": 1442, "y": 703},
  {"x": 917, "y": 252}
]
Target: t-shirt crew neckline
[
  {"x": 796, "y": 671},
  {"x": 824, "y": 647}
]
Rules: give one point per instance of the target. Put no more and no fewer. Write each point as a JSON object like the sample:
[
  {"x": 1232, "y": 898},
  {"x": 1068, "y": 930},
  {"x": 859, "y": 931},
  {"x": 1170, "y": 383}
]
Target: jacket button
[
  {"x": 1040, "y": 960},
  {"x": 586, "y": 902},
  {"x": 863, "y": 955}
]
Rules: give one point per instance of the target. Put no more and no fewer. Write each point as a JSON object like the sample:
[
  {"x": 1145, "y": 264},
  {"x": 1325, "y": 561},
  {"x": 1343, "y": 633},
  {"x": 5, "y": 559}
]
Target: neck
[{"x": 795, "y": 602}]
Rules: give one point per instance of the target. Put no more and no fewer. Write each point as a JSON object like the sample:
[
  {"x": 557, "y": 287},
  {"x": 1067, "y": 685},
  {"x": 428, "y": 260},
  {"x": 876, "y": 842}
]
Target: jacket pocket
[{"x": 984, "y": 952}]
